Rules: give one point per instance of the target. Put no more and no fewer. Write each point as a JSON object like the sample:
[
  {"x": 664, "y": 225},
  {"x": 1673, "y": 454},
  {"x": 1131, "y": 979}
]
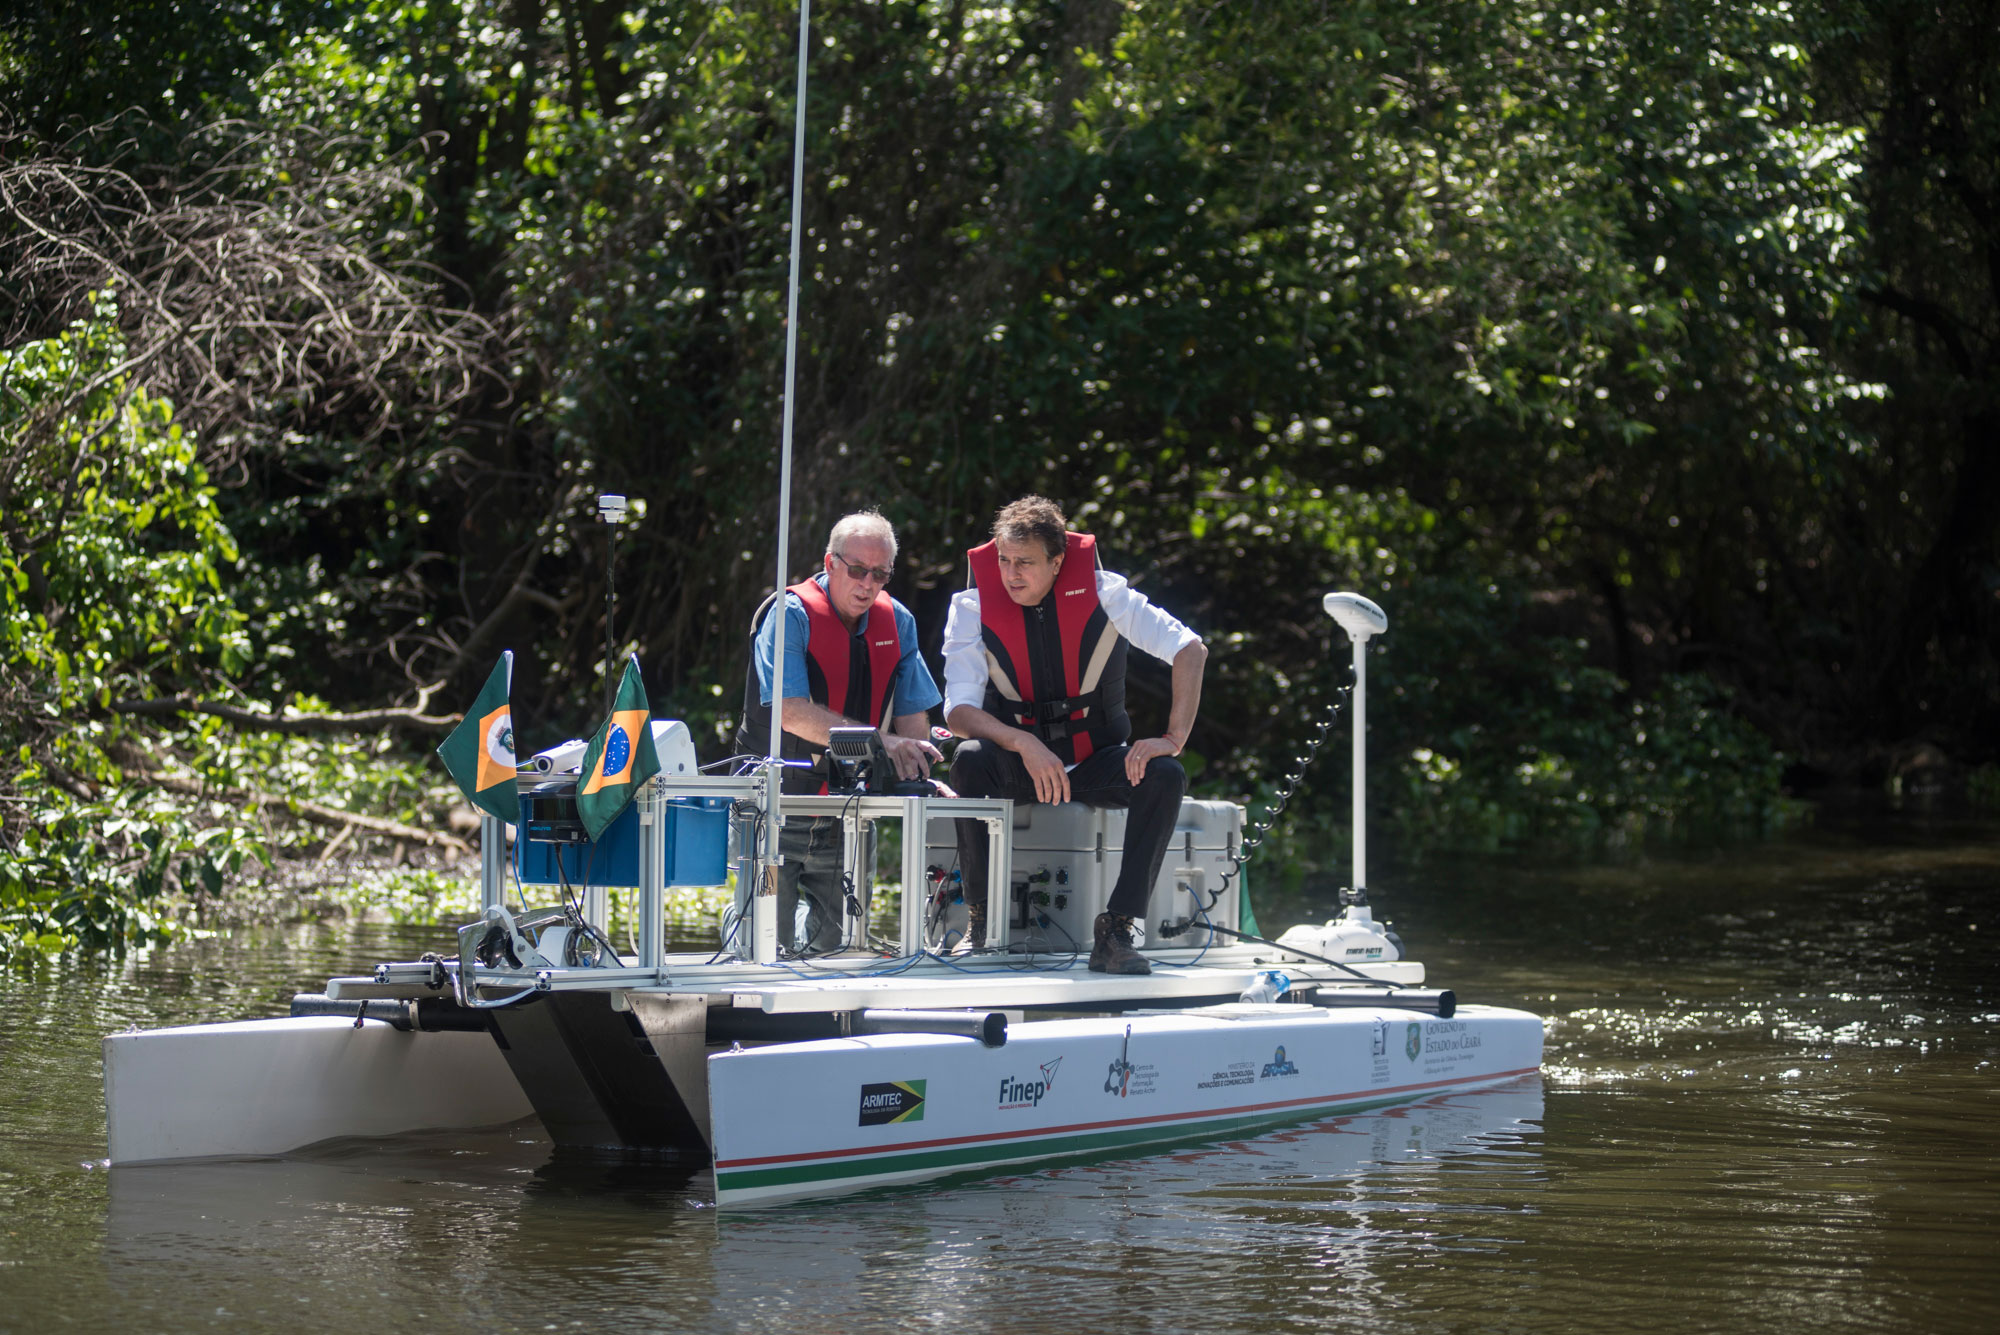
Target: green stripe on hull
[{"x": 1017, "y": 1151}]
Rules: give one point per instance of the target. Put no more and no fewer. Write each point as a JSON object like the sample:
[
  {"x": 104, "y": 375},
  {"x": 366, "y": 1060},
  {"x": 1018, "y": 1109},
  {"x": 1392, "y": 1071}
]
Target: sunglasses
[{"x": 859, "y": 573}]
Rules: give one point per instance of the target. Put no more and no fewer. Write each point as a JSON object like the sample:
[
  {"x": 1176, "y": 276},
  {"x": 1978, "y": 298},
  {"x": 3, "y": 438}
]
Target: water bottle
[{"x": 1269, "y": 986}]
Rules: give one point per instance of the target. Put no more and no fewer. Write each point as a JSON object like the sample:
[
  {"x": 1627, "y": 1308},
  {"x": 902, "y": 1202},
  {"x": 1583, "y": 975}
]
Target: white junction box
[{"x": 1066, "y": 861}]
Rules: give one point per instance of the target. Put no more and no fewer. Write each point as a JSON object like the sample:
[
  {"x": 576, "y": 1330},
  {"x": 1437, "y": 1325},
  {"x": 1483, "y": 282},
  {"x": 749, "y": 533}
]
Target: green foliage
[
  {"x": 101, "y": 874},
  {"x": 109, "y": 584},
  {"x": 109, "y": 573},
  {"x": 409, "y": 896},
  {"x": 1638, "y": 360},
  {"x": 1580, "y": 769},
  {"x": 1982, "y": 786}
]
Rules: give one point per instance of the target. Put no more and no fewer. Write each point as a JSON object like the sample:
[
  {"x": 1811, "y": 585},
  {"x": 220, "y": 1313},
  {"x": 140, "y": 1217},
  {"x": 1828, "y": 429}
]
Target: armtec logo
[{"x": 897, "y": 1101}]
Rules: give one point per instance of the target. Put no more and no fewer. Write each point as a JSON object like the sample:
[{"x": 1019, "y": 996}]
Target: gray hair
[
  {"x": 1033, "y": 519},
  {"x": 864, "y": 524}
]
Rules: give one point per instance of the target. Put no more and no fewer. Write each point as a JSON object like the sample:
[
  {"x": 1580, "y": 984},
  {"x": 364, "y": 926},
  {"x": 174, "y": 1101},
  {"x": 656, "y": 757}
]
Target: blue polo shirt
[{"x": 916, "y": 690}]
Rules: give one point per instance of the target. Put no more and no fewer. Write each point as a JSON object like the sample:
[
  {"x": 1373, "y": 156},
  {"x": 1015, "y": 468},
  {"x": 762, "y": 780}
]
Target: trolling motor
[{"x": 1354, "y": 937}]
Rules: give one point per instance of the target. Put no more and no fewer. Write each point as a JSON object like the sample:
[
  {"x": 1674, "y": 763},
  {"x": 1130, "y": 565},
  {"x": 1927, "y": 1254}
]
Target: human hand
[
  {"x": 912, "y": 756},
  {"x": 1141, "y": 753},
  {"x": 1051, "y": 780}
]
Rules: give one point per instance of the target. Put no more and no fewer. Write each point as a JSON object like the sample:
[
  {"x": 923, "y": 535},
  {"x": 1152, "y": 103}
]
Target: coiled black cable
[{"x": 1253, "y": 838}]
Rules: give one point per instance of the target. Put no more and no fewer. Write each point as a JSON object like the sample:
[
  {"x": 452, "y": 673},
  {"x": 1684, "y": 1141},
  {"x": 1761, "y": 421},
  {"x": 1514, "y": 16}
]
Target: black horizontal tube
[
  {"x": 1442, "y": 1002},
  {"x": 430, "y": 1014},
  {"x": 398, "y": 1013},
  {"x": 989, "y": 1027}
]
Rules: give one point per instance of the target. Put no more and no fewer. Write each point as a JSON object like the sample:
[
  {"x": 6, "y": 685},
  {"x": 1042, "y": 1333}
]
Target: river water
[{"x": 1771, "y": 1102}]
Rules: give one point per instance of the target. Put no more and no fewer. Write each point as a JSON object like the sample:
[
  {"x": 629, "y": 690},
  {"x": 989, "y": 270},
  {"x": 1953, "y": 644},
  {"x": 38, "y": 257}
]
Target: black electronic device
[
  {"x": 857, "y": 761},
  {"x": 550, "y": 815}
]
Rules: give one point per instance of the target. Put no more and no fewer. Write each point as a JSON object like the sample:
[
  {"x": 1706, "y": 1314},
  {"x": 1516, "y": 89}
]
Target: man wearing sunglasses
[
  {"x": 851, "y": 659},
  {"x": 1034, "y": 672}
]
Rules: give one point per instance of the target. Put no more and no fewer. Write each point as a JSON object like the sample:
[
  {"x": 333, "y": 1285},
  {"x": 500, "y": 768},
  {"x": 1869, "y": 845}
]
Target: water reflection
[
  {"x": 498, "y": 1227},
  {"x": 1770, "y": 1102}
]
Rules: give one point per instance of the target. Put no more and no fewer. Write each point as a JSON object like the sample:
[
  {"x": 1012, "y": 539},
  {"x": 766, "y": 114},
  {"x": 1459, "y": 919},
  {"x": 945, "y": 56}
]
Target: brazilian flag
[
  {"x": 480, "y": 751},
  {"x": 620, "y": 758}
]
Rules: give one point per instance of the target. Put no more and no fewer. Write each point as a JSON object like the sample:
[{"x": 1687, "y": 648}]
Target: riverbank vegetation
[{"x": 1638, "y": 361}]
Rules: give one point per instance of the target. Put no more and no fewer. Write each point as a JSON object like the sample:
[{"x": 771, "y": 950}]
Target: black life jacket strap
[{"x": 1051, "y": 718}]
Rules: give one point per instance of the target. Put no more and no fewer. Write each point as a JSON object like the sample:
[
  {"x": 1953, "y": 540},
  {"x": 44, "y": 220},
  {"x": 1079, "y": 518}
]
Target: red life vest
[
  {"x": 849, "y": 674},
  {"x": 1056, "y": 669},
  {"x": 852, "y": 675}
]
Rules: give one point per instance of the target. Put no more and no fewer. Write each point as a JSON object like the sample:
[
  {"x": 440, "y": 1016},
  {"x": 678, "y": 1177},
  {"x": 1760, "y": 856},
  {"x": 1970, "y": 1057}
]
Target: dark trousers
[
  {"x": 982, "y": 769},
  {"x": 812, "y": 868}
]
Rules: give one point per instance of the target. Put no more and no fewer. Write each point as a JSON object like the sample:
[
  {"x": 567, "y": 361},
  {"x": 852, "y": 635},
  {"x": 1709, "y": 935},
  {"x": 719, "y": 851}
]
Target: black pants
[
  {"x": 982, "y": 769},
  {"x": 812, "y": 868}
]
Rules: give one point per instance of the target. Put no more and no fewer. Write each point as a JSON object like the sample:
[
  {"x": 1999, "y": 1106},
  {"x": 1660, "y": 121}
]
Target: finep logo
[{"x": 1016, "y": 1092}]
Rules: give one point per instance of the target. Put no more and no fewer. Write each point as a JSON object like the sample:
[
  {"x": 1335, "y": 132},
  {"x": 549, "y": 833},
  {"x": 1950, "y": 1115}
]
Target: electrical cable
[
  {"x": 573, "y": 911},
  {"x": 1219, "y": 930},
  {"x": 1254, "y": 837}
]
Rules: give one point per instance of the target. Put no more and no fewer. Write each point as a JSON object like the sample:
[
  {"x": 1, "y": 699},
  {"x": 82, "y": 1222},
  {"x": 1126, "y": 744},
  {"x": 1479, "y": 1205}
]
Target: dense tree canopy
[{"x": 1639, "y": 359}]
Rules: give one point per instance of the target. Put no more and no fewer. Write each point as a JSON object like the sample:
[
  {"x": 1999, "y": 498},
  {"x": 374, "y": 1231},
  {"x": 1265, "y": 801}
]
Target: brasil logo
[
  {"x": 1278, "y": 1065},
  {"x": 895, "y": 1101}
]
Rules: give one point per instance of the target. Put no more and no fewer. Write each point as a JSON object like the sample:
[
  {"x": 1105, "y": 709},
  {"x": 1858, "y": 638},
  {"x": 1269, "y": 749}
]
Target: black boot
[
  {"x": 1112, "y": 951},
  {"x": 975, "y": 927}
]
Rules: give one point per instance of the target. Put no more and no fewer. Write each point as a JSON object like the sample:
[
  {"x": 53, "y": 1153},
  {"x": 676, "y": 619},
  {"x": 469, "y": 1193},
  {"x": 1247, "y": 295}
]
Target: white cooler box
[{"x": 1066, "y": 861}]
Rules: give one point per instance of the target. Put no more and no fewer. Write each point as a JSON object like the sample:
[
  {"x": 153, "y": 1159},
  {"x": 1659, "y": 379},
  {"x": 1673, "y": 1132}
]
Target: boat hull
[
  {"x": 253, "y": 1087},
  {"x": 840, "y": 1115}
]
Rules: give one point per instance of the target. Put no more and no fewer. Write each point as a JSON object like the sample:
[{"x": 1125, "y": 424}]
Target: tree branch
[
  {"x": 1930, "y": 315},
  {"x": 317, "y": 813},
  {"x": 361, "y": 721}
]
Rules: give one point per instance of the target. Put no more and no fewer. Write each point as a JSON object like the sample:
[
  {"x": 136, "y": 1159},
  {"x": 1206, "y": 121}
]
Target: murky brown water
[{"x": 1771, "y": 1102}]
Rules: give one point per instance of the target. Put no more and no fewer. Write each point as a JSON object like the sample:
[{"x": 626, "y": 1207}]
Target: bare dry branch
[
  {"x": 361, "y": 721},
  {"x": 259, "y": 290}
]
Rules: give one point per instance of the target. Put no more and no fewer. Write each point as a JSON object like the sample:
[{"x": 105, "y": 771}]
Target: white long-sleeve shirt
[{"x": 965, "y": 667}]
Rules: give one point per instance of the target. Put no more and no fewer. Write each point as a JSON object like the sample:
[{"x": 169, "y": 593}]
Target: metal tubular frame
[{"x": 916, "y": 813}]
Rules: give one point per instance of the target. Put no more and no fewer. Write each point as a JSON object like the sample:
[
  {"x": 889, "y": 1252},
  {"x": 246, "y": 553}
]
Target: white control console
[{"x": 1066, "y": 862}]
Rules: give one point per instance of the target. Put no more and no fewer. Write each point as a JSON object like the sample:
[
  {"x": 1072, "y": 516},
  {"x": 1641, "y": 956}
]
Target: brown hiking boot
[
  {"x": 975, "y": 927},
  {"x": 1112, "y": 952}
]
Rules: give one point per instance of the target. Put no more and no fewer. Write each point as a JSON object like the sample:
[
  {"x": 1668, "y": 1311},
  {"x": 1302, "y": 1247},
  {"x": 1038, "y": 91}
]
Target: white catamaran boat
[
  {"x": 853, "y": 1070},
  {"x": 857, "y": 1069}
]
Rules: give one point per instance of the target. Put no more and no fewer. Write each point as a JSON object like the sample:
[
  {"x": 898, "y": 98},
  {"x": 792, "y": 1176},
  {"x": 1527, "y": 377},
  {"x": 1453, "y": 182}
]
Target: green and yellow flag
[
  {"x": 620, "y": 758},
  {"x": 480, "y": 751}
]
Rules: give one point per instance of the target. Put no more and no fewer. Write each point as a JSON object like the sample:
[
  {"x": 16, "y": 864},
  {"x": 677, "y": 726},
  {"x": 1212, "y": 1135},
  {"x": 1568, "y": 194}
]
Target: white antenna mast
[{"x": 764, "y": 907}]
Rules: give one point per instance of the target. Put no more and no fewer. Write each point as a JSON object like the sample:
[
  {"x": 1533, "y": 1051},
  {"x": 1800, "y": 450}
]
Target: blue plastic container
[
  {"x": 697, "y": 849},
  {"x": 697, "y": 840}
]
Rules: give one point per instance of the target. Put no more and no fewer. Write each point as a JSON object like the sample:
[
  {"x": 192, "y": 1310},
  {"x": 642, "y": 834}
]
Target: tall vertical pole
[
  {"x": 611, "y": 509},
  {"x": 1361, "y": 763},
  {"x": 610, "y": 606},
  {"x": 1361, "y": 620},
  {"x": 652, "y": 874},
  {"x": 492, "y": 861},
  {"x": 764, "y": 909}
]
